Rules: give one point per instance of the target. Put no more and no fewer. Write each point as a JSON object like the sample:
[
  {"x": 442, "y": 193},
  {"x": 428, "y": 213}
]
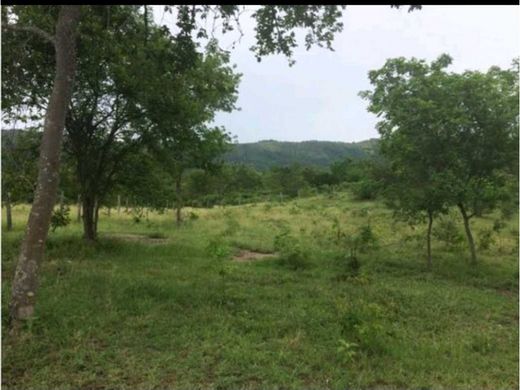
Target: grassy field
[{"x": 172, "y": 309}]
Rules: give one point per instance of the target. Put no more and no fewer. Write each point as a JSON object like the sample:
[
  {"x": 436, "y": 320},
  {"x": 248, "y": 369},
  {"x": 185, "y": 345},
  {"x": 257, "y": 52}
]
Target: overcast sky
[{"x": 317, "y": 98}]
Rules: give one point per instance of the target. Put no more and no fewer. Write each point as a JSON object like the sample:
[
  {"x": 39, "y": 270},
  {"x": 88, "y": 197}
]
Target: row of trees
[{"x": 194, "y": 175}]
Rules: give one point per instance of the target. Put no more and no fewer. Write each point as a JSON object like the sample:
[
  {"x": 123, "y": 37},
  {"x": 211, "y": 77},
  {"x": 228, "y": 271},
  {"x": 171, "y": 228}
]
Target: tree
[
  {"x": 448, "y": 136},
  {"x": 25, "y": 281},
  {"x": 199, "y": 148},
  {"x": 105, "y": 123}
]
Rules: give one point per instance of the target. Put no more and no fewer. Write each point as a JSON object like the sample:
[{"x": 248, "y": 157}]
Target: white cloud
[{"x": 318, "y": 97}]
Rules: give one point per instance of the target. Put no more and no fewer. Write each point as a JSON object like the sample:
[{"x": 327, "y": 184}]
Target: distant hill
[{"x": 265, "y": 154}]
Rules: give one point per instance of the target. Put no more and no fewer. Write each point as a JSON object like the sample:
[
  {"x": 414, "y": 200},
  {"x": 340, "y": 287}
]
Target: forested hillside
[{"x": 266, "y": 154}]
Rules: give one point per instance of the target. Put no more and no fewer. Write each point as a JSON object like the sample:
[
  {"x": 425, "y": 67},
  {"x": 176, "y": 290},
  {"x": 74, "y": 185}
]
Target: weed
[{"x": 347, "y": 350}]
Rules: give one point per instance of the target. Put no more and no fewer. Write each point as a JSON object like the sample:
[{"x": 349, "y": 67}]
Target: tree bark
[
  {"x": 178, "y": 201},
  {"x": 118, "y": 204},
  {"x": 8, "y": 212},
  {"x": 429, "y": 240},
  {"x": 471, "y": 242},
  {"x": 62, "y": 201},
  {"x": 25, "y": 282},
  {"x": 89, "y": 218},
  {"x": 96, "y": 215},
  {"x": 79, "y": 209}
]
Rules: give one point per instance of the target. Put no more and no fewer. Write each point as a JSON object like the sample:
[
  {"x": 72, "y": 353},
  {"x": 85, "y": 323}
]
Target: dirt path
[{"x": 246, "y": 256}]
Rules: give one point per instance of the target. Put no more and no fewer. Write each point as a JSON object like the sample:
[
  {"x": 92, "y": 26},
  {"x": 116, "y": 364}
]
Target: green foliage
[
  {"x": 485, "y": 239},
  {"x": 264, "y": 155},
  {"x": 366, "y": 238},
  {"x": 60, "y": 217},
  {"x": 498, "y": 225},
  {"x": 450, "y": 139},
  {"x": 218, "y": 248},
  {"x": 292, "y": 254},
  {"x": 364, "y": 324},
  {"x": 232, "y": 226},
  {"x": 19, "y": 164},
  {"x": 347, "y": 351},
  {"x": 447, "y": 231}
]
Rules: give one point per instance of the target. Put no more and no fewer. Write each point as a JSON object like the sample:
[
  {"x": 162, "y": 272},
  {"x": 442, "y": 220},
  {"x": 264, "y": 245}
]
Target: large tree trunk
[
  {"x": 471, "y": 242},
  {"x": 8, "y": 212},
  {"x": 89, "y": 218},
  {"x": 429, "y": 240},
  {"x": 96, "y": 215},
  {"x": 25, "y": 282},
  {"x": 178, "y": 201}
]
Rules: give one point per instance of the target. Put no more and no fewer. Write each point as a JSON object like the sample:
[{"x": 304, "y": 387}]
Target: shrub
[
  {"x": 218, "y": 249},
  {"x": 366, "y": 238},
  {"x": 485, "y": 239},
  {"x": 446, "y": 230},
  {"x": 365, "y": 190},
  {"x": 60, "y": 218},
  {"x": 292, "y": 255}
]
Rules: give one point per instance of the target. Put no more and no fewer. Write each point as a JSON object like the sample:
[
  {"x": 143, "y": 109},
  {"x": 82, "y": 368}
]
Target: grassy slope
[{"x": 132, "y": 314}]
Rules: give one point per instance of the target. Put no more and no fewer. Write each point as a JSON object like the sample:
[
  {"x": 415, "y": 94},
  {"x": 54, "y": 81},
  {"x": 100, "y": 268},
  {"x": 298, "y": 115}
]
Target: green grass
[{"x": 181, "y": 314}]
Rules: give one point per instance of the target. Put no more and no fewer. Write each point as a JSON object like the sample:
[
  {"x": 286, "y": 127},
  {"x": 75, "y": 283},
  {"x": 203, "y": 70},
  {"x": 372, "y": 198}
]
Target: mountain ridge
[{"x": 265, "y": 154}]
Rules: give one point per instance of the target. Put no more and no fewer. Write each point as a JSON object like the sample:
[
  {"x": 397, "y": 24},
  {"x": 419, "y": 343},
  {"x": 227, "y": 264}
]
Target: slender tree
[{"x": 23, "y": 294}]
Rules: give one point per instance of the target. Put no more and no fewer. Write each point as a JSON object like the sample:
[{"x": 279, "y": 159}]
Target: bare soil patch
[
  {"x": 246, "y": 255},
  {"x": 138, "y": 238}
]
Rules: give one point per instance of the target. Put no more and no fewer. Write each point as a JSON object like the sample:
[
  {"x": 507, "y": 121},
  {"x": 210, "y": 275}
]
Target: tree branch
[{"x": 35, "y": 30}]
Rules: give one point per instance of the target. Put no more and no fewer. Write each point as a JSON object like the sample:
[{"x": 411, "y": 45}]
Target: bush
[
  {"x": 366, "y": 238},
  {"x": 218, "y": 249},
  {"x": 292, "y": 255},
  {"x": 365, "y": 189},
  {"x": 446, "y": 230},
  {"x": 485, "y": 239},
  {"x": 60, "y": 218}
]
